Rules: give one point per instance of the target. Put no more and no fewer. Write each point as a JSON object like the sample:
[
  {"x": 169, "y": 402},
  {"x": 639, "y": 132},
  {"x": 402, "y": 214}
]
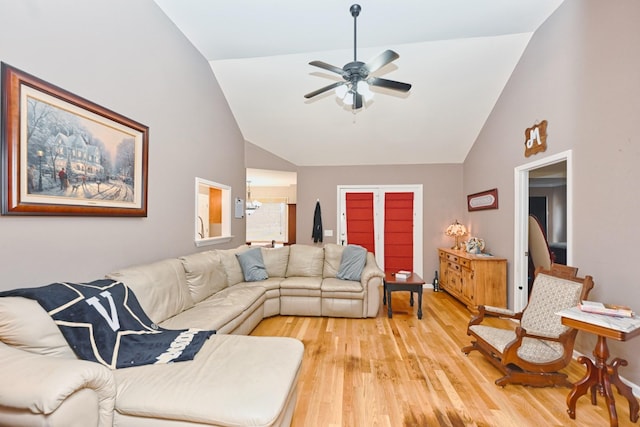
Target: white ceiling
[{"x": 457, "y": 54}]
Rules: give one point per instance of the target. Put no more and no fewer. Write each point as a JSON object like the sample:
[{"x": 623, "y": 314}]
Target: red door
[
  {"x": 359, "y": 219},
  {"x": 398, "y": 231}
]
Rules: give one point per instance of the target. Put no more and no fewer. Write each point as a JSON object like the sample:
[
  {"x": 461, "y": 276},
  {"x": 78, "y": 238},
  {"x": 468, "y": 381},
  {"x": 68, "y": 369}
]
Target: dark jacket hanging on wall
[{"x": 317, "y": 224}]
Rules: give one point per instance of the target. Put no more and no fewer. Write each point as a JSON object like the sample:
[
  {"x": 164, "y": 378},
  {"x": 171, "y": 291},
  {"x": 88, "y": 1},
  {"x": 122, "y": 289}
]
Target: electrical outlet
[{"x": 328, "y": 233}]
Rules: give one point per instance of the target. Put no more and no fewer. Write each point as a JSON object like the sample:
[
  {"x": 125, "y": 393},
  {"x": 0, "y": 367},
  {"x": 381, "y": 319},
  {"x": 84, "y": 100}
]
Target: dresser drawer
[
  {"x": 453, "y": 267},
  {"x": 452, "y": 257},
  {"x": 465, "y": 262}
]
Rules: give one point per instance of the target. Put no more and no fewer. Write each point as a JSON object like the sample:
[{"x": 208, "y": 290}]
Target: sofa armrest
[
  {"x": 39, "y": 385},
  {"x": 371, "y": 279}
]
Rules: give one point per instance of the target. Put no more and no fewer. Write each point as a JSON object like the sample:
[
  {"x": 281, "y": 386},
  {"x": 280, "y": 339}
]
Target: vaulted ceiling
[{"x": 457, "y": 54}]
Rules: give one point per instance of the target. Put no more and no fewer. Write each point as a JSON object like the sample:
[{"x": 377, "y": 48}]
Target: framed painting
[
  {"x": 65, "y": 155},
  {"x": 483, "y": 200}
]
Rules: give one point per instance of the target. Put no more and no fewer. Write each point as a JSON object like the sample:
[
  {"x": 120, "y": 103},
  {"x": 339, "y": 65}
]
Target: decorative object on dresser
[
  {"x": 475, "y": 245},
  {"x": 541, "y": 345},
  {"x": 456, "y": 230},
  {"x": 474, "y": 279}
]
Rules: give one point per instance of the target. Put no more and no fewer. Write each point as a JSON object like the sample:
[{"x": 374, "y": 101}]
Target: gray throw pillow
[
  {"x": 252, "y": 265},
  {"x": 352, "y": 263}
]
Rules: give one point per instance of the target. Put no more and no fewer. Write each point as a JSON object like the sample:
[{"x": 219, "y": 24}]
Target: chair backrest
[
  {"x": 552, "y": 292},
  {"x": 564, "y": 271}
]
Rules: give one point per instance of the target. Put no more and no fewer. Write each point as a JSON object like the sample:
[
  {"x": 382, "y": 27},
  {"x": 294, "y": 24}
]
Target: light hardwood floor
[{"x": 409, "y": 372}]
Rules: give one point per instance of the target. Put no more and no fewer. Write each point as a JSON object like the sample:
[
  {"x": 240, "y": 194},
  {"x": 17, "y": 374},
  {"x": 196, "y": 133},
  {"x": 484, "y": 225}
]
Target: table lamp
[{"x": 456, "y": 230}]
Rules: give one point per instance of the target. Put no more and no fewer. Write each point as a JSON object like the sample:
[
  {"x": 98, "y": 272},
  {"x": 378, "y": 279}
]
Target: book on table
[
  {"x": 402, "y": 275},
  {"x": 606, "y": 309}
]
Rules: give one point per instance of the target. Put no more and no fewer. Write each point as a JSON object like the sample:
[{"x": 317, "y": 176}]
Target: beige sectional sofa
[{"x": 234, "y": 380}]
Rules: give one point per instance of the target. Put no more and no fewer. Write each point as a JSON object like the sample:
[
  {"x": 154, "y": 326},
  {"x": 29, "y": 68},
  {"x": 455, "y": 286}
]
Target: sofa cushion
[
  {"x": 291, "y": 285},
  {"x": 305, "y": 261},
  {"x": 334, "y": 285},
  {"x": 276, "y": 260},
  {"x": 205, "y": 274},
  {"x": 231, "y": 264},
  {"x": 161, "y": 287},
  {"x": 252, "y": 265},
  {"x": 26, "y": 325},
  {"x": 332, "y": 259},
  {"x": 354, "y": 258},
  {"x": 217, "y": 310},
  {"x": 233, "y": 381}
]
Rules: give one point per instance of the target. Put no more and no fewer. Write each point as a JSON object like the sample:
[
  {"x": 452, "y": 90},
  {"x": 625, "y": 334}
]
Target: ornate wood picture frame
[{"x": 64, "y": 155}]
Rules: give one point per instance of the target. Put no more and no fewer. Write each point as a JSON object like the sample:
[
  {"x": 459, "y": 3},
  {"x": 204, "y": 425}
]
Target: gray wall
[
  {"x": 128, "y": 57},
  {"x": 581, "y": 72},
  {"x": 259, "y": 158}
]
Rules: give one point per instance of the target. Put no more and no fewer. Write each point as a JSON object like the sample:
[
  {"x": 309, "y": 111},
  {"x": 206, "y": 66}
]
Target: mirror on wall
[{"x": 213, "y": 213}]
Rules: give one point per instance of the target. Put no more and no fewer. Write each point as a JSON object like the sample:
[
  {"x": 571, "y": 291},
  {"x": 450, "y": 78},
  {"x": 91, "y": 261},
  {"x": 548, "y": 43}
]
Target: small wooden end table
[
  {"x": 413, "y": 283},
  {"x": 601, "y": 375}
]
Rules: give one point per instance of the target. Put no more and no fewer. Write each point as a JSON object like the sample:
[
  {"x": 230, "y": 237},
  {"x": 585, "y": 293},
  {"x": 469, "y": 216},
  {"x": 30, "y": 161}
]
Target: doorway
[
  {"x": 391, "y": 216},
  {"x": 525, "y": 181},
  {"x": 270, "y": 207}
]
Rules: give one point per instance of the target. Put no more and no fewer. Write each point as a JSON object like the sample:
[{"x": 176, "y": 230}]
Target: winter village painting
[{"x": 74, "y": 157}]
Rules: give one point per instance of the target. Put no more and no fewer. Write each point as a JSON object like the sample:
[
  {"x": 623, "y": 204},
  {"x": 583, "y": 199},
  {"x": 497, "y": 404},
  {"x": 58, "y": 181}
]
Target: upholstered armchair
[{"x": 539, "y": 346}]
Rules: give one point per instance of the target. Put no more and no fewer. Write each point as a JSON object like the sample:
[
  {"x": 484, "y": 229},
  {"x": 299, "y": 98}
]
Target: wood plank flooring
[{"x": 409, "y": 372}]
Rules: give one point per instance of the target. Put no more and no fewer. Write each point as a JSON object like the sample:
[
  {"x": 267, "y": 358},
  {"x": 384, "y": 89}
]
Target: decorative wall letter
[{"x": 535, "y": 139}]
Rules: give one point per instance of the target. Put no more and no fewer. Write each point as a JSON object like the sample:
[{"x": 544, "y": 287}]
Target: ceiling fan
[{"x": 357, "y": 75}]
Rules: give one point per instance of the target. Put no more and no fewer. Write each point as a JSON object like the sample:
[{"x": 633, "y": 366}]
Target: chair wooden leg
[{"x": 469, "y": 348}]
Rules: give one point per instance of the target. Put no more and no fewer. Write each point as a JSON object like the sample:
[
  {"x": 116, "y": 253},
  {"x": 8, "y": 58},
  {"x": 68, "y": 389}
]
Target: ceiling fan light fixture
[
  {"x": 365, "y": 91},
  {"x": 348, "y": 98},
  {"x": 341, "y": 91}
]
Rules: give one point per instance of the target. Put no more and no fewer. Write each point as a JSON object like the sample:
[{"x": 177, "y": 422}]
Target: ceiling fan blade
[
  {"x": 327, "y": 67},
  {"x": 381, "y": 60},
  {"x": 389, "y": 84},
  {"x": 323, "y": 89}
]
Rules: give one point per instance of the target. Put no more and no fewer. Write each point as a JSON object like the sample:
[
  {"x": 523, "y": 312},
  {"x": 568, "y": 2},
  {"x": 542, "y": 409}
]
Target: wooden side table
[
  {"x": 412, "y": 284},
  {"x": 600, "y": 375}
]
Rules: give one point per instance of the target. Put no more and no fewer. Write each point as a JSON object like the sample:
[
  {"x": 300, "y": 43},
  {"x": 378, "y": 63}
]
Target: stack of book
[{"x": 606, "y": 309}]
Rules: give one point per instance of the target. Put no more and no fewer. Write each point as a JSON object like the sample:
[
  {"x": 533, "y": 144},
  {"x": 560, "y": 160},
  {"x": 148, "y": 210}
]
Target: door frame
[
  {"x": 520, "y": 290},
  {"x": 378, "y": 191}
]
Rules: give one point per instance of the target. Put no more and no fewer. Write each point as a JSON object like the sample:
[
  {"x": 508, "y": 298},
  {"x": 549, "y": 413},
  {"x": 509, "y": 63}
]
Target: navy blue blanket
[{"x": 103, "y": 322}]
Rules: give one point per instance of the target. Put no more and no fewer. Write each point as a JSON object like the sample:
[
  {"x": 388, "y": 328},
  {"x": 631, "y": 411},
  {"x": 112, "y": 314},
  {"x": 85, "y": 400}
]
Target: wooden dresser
[{"x": 474, "y": 280}]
